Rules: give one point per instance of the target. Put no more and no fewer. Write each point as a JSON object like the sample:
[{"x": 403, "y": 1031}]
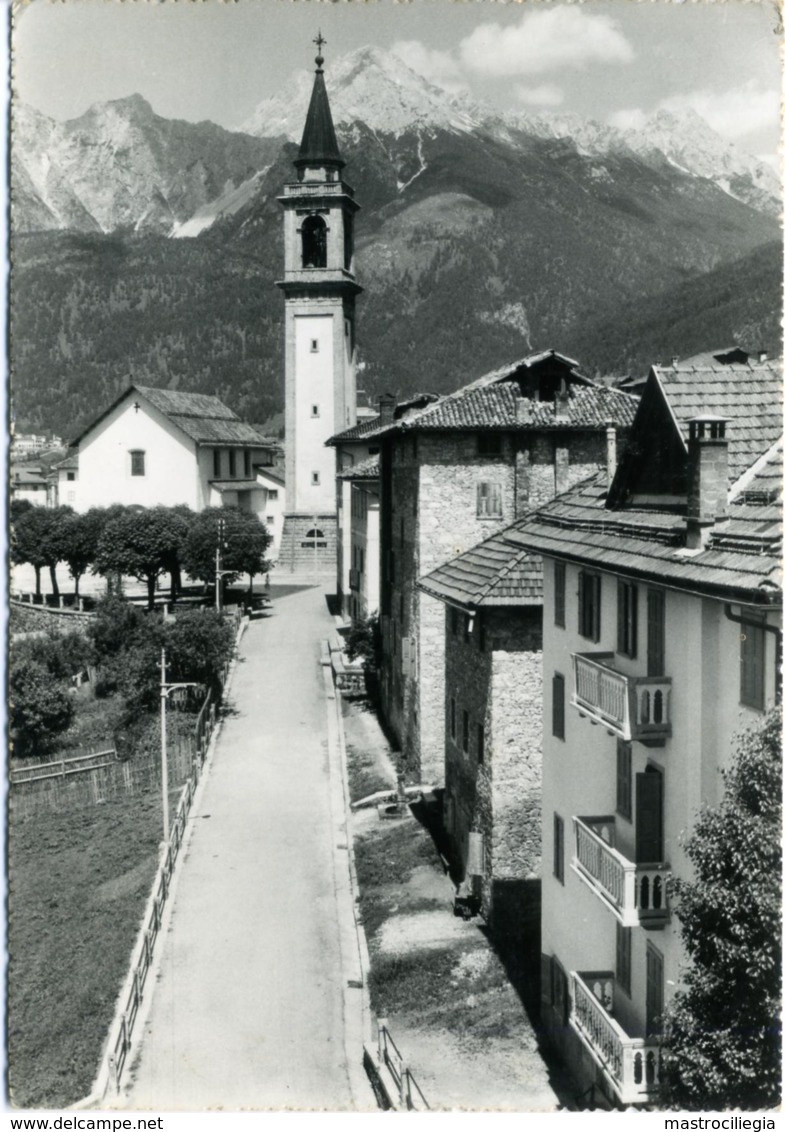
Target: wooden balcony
[
  {"x": 636, "y": 894},
  {"x": 630, "y": 1065},
  {"x": 632, "y": 707}
]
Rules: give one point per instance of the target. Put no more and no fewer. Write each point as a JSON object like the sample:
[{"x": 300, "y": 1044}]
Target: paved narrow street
[{"x": 248, "y": 1008}]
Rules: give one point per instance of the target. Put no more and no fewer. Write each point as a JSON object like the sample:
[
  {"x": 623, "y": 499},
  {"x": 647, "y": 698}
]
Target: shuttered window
[
  {"x": 557, "y": 687},
  {"x": 558, "y": 847},
  {"x": 624, "y": 958},
  {"x": 655, "y": 986},
  {"x": 648, "y": 817},
  {"x": 753, "y": 664},
  {"x": 589, "y": 594},
  {"x": 624, "y": 779},
  {"x": 559, "y": 588},
  {"x": 627, "y": 609},
  {"x": 489, "y": 500},
  {"x": 655, "y": 644}
]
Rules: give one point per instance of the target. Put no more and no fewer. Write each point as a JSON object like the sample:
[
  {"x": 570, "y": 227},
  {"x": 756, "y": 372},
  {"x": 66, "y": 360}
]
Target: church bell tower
[{"x": 319, "y": 292}]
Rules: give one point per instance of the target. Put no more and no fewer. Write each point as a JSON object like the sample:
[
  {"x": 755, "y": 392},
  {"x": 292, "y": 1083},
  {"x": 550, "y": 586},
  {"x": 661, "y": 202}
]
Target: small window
[
  {"x": 137, "y": 463},
  {"x": 624, "y": 958},
  {"x": 232, "y": 463},
  {"x": 272, "y": 493},
  {"x": 216, "y": 462},
  {"x": 314, "y": 410},
  {"x": 480, "y": 743},
  {"x": 558, "y": 705},
  {"x": 70, "y": 476},
  {"x": 489, "y": 444},
  {"x": 559, "y": 590},
  {"x": 627, "y": 607},
  {"x": 314, "y": 533},
  {"x": 753, "y": 665},
  {"x": 558, "y": 848},
  {"x": 465, "y": 736},
  {"x": 489, "y": 500},
  {"x": 314, "y": 345},
  {"x": 589, "y": 593},
  {"x": 246, "y": 463},
  {"x": 452, "y": 719},
  {"x": 624, "y": 779},
  {"x": 71, "y": 495},
  {"x": 270, "y": 520},
  {"x": 316, "y": 479}
]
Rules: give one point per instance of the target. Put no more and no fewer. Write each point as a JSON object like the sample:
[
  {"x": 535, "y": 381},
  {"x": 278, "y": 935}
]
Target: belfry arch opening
[{"x": 314, "y": 233}]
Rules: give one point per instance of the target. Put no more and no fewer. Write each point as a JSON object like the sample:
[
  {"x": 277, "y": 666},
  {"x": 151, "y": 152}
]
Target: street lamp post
[
  {"x": 219, "y": 573},
  {"x": 165, "y": 690}
]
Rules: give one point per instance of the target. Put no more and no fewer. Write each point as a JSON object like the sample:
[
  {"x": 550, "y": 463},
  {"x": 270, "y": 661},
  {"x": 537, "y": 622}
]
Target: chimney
[
  {"x": 707, "y": 478},
  {"x": 675, "y": 362},
  {"x": 561, "y": 399},
  {"x": 610, "y": 450},
  {"x": 386, "y": 409},
  {"x": 763, "y": 356}
]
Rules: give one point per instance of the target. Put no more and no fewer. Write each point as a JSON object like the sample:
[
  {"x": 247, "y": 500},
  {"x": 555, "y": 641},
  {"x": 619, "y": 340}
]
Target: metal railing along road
[{"x": 410, "y": 1095}]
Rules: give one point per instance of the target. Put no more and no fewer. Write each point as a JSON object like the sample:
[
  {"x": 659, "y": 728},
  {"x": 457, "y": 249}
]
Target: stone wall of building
[{"x": 493, "y": 673}]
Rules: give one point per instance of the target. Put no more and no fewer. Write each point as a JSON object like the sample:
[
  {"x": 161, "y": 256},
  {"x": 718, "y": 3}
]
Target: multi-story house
[
  {"x": 493, "y": 727},
  {"x": 452, "y": 472},
  {"x": 661, "y": 643},
  {"x": 362, "y": 598}
]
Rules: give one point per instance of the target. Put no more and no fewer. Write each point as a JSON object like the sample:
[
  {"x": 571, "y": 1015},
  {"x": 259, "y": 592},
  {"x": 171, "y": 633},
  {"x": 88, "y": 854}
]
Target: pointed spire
[{"x": 319, "y": 145}]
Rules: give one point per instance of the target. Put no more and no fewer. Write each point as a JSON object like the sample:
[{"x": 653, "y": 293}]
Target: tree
[
  {"x": 244, "y": 541},
  {"x": 199, "y": 644},
  {"x": 722, "y": 1031},
  {"x": 38, "y": 540},
  {"x": 144, "y": 543},
  {"x": 80, "y": 535},
  {"x": 41, "y": 707}
]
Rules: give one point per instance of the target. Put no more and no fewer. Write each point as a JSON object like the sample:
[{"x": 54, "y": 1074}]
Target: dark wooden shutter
[
  {"x": 648, "y": 817},
  {"x": 624, "y": 779},
  {"x": 655, "y": 657},
  {"x": 558, "y": 705},
  {"x": 558, "y": 593},
  {"x": 582, "y": 603},
  {"x": 752, "y": 665},
  {"x": 596, "y": 587},
  {"x": 655, "y": 982}
]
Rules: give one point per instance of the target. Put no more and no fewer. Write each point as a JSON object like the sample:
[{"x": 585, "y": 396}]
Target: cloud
[
  {"x": 545, "y": 95},
  {"x": 731, "y": 113},
  {"x": 438, "y": 66},
  {"x": 544, "y": 39},
  {"x": 632, "y": 119}
]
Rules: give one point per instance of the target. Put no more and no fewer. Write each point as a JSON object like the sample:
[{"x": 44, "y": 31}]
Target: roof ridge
[{"x": 749, "y": 475}]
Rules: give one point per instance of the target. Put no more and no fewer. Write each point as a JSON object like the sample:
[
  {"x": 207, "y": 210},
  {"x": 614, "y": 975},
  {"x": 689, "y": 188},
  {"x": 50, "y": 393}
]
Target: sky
[{"x": 615, "y": 60}]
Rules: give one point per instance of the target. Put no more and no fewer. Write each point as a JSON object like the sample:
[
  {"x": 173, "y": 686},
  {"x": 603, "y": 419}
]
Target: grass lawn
[{"x": 78, "y": 883}]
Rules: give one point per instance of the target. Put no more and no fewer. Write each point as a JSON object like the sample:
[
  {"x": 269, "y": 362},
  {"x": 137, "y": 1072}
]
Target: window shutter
[
  {"x": 648, "y": 818},
  {"x": 624, "y": 778},
  {"x": 596, "y": 588},
  {"x": 558, "y": 705},
  {"x": 655, "y": 982},
  {"x": 406, "y": 655},
  {"x": 752, "y": 665},
  {"x": 496, "y": 499},
  {"x": 582, "y": 603},
  {"x": 655, "y": 655},
  {"x": 482, "y": 499},
  {"x": 558, "y": 593}
]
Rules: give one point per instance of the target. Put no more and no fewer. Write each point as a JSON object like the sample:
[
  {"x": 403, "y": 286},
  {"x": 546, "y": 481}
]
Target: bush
[
  {"x": 41, "y": 707},
  {"x": 364, "y": 641}
]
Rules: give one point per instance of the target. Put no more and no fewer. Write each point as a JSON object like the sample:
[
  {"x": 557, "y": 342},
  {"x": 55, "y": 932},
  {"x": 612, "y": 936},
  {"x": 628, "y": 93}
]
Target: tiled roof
[
  {"x": 742, "y": 558},
  {"x": 493, "y": 573},
  {"x": 269, "y": 473},
  {"x": 234, "y": 485},
  {"x": 70, "y": 463},
  {"x": 367, "y": 427},
  {"x": 365, "y": 470},
  {"x": 750, "y": 396},
  {"x": 500, "y": 406},
  {"x": 201, "y": 416}
]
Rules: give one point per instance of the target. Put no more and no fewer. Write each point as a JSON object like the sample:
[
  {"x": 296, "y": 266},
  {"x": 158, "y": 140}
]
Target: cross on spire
[{"x": 320, "y": 42}]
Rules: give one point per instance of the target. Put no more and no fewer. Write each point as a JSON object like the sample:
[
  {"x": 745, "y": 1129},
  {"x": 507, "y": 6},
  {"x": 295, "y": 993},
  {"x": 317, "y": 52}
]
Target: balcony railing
[
  {"x": 632, "y": 707},
  {"x": 630, "y": 1065},
  {"x": 636, "y": 894},
  {"x": 317, "y": 189}
]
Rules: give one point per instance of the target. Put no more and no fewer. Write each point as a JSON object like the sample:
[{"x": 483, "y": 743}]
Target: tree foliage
[
  {"x": 41, "y": 707},
  {"x": 364, "y": 641},
  {"x": 723, "y": 1031},
  {"x": 80, "y": 535},
  {"x": 199, "y": 644},
  {"x": 244, "y": 541},
  {"x": 37, "y": 539},
  {"x": 144, "y": 543}
]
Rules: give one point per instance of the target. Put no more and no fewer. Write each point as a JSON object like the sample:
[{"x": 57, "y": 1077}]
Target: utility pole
[
  {"x": 219, "y": 573},
  {"x": 316, "y": 547},
  {"x": 165, "y": 690}
]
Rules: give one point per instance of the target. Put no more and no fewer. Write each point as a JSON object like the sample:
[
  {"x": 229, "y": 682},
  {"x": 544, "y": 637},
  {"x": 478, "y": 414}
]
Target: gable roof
[
  {"x": 365, "y": 470},
  {"x": 741, "y": 559},
  {"x": 492, "y": 573},
  {"x": 367, "y": 427},
  {"x": 201, "y": 416}
]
